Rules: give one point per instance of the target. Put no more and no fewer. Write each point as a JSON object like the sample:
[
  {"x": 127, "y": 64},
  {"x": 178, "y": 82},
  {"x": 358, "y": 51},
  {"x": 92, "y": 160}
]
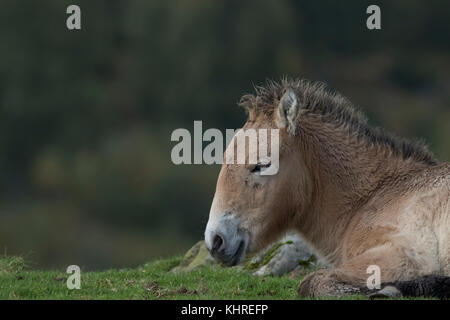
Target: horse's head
[{"x": 251, "y": 209}]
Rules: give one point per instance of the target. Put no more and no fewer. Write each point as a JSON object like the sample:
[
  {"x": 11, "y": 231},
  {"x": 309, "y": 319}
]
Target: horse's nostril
[{"x": 217, "y": 243}]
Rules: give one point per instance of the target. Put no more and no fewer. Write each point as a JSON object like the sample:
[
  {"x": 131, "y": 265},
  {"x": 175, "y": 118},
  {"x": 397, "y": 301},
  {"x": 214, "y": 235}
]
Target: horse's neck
[{"x": 347, "y": 172}]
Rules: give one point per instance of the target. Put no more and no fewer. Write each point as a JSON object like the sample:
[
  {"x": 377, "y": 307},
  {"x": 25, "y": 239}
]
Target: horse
[{"x": 357, "y": 194}]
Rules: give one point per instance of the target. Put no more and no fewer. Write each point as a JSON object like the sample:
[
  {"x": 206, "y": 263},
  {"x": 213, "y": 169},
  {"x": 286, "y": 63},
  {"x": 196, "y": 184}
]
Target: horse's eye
[{"x": 257, "y": 168}]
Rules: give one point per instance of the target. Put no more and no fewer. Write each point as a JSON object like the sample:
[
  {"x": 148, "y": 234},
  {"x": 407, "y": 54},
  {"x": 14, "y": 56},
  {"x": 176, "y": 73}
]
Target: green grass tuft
[
  {"x": 12, "y": 265},
  {"x": 272, "y": 252},
  {"x": 153, "y": 280}
]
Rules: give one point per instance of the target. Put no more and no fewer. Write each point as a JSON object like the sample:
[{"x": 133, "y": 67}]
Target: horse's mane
[{"x": 335, "y": 109}]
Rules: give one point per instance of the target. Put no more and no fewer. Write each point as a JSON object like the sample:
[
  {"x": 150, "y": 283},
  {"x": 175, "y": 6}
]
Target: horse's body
[{"x": 359, "y": 196}]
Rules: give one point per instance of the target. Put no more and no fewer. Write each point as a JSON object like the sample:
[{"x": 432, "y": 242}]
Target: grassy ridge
[{"x": 150, "y": 281}]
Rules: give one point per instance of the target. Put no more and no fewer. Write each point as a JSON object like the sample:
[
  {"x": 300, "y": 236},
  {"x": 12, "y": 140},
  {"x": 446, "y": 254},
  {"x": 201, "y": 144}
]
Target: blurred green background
[{"x": 86, "y": 116}]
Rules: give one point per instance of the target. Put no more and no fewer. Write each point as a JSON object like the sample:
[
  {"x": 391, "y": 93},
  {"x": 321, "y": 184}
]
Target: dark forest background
[{"x": 86, "y": 116}]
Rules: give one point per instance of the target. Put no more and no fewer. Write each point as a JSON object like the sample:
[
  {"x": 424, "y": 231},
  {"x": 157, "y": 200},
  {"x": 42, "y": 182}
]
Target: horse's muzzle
[{"x": 225, "y": 240}]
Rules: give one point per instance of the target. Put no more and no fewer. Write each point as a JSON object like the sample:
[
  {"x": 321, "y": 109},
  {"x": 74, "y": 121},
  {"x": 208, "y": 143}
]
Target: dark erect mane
[{"x": 335, "y": 109}]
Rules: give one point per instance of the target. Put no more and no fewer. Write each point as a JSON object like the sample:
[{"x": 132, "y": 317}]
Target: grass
[{"x": 150, "y": 281}]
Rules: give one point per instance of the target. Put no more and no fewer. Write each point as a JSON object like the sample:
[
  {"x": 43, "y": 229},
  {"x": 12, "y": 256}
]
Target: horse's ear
[
  {"x": 288, "y": 111},
  {"x": 247, "y": 102}
]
